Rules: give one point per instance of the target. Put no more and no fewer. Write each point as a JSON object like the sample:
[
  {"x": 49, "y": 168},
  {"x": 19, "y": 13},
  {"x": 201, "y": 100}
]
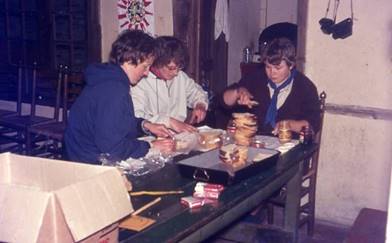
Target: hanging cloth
[
  {"x": 222, "y": 19},
  {"x": 272, "y": 111}
]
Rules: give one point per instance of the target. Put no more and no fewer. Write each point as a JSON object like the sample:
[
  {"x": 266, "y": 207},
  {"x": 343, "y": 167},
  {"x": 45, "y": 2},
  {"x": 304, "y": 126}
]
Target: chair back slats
[
  {"x": 65, "y": 94},
  {"x": 317, "y": 137},
  {"x": 323, "y": 97},
  {"x": 28, "y": 78},
  {"x": 33, "y": 89},
  {"x": 19, "y": 95},
  {"x": 58, "y": 93}
]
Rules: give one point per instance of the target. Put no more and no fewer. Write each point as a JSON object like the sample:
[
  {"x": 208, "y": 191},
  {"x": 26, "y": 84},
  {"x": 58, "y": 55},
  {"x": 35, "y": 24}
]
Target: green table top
[{"x": 175, "y": 222}]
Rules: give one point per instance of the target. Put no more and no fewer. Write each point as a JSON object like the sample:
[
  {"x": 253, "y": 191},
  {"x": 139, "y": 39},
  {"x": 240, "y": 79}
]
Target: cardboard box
[{"x": 44, "y": 200}]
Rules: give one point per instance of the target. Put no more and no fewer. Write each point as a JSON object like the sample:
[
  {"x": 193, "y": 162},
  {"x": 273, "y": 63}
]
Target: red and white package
[
  {"x": 206, "y": 194},
  {"x": 192, "y": 202},
  {"x": 203, "y": 187}
]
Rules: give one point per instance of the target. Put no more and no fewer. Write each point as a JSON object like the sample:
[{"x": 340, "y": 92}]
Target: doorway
[{"x": 194, "y": 24}]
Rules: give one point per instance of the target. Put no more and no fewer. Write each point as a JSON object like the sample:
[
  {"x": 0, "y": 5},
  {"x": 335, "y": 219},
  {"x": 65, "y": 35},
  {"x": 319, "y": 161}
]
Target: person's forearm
[{"x": 230, "y": 97}]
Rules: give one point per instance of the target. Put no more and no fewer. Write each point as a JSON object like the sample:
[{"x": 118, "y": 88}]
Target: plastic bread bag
[
  {"x": 186, "y": 142},
  {"x": 134, "y": 166},
  {"x": 210, "y": 139},
  {"x": 141, "y": 166}
]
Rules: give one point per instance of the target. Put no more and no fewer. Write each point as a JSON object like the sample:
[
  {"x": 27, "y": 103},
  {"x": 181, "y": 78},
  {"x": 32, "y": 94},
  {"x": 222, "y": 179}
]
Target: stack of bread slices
[{"x": 246, "y": 128}]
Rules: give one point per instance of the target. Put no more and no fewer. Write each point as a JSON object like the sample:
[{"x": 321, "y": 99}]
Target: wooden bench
[{"x": 368, "y": 227}]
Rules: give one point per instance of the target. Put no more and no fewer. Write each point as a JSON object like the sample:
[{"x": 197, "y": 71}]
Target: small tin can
[
  {"x": 284, "y": 132},
  {"x": 231, "y": 127}
]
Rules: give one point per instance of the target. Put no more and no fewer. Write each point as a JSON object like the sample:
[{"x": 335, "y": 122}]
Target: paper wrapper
[{"x": 193, "y": 202}]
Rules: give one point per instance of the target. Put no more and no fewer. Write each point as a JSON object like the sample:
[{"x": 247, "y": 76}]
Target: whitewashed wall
[
  {"x": 356, "y": 155},
  {"x": 109, "y": 22},
  {"x": 247, "y": 20},
  {"x": 244, "y": 30},
  {"x": 275, "y": 11}
]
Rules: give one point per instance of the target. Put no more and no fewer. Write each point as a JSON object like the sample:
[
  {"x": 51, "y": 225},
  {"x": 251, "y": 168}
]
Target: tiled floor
[{"x": 254, "y": 229}]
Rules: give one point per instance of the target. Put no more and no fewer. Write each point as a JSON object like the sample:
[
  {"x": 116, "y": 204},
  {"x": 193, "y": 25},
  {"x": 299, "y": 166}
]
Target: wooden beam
[{"x": 359, "y": 111}]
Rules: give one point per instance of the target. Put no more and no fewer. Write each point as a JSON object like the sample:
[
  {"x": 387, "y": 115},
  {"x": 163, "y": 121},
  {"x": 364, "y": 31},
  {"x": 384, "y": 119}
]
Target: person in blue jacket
[{"x": 102, "y": 119}]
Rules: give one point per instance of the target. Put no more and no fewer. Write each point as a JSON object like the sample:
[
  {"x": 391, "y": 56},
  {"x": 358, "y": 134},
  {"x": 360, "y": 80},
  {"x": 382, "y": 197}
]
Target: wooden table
[{"x": 176, "y": 223}]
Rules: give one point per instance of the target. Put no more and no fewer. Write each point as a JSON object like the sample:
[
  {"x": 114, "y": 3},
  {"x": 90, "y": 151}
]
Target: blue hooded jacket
[{"x": 102, "y": 119}]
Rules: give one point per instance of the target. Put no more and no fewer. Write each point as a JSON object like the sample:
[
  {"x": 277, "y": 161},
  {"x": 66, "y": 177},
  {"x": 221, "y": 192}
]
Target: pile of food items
[
  {"x": 246, "y": 128},
  {"x": 234, "y": 155},
  {"x": 204, "y": 193}
]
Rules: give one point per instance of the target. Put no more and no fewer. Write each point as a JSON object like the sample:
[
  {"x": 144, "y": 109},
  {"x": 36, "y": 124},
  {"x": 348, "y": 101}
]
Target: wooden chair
[
  {"x": 11, "y": 76},
  {"x": 8, "y": 138},
  {"x": 5, "y": 143},
  {"x": 3, "y": 112},
  {"x": 50, "y": 135},
  {"x": 17, "y": 125},
  {"x": 308, "y": 190}
]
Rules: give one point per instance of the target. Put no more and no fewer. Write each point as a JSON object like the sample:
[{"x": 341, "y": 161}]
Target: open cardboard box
[{"x": 44, "y": 200}]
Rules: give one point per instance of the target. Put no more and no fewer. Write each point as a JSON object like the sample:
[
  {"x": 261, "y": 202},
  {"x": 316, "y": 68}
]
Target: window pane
[
  {"x": 15, "y": 51},
  {"x": 14, "y": 5},
  {"x": 49, "y": 32},
  {"x": 80, "y": 58},
  {"x": 3, "y": 53},
  {"x": 79, "y": 27},
  {"x": 30, "y": 5},
  {"x": 31, "y": 27},
  {"x": 8, "y": 82},
  {"x": 2, "y": 25},
  {"x": 45, "y": 48},
  {"x": 15, "y": 27},
  {"x": 78, "y": 5},
  {"x": 62, "y": 55},
  {"x": 32, "y": 52},
  {"x": 62, "y": 28},
  {"x": 61, "y": 6}
]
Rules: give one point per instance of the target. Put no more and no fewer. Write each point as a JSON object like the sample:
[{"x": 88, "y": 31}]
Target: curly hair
[
  {"x": 133, "y": 46},
  {"x": 170, "y": 49}
]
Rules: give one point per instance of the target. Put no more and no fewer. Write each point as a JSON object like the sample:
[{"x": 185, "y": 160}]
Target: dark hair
[
  {"x": 133, "y": 46},
  {"x": 170, "y": 49},
  {"x": 279, "y": 49}
]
